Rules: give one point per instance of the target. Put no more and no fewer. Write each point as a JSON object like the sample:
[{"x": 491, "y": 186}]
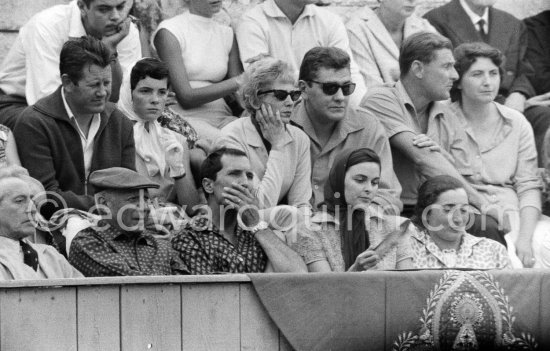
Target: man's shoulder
[
  {"x": 363, "y": 116},
  {"x": 541, "y": 20},
  {"x": 87, "y": 234},
  {"x": 387, "y": 94},
  {"x": 439, "y": 13},
  {"x": 365, "y": 125},
  {"x": 254, "y": 14},
  {"x": 506, "y": 17},
  {"x": 387, "y": 89},
  {"x": 360, "y": 18},
  {"x": 43, "y": 110},
  {"x": 297, "y": 133},
  {"x": 324, "y": 15},
  {"x": 116, "y": 116},
  {"x": 57, "y": 16},
  {"x": 45, "y": 249}
]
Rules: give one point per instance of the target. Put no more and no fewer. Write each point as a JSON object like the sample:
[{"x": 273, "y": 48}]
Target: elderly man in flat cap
[{"x": 120, "y": 245}]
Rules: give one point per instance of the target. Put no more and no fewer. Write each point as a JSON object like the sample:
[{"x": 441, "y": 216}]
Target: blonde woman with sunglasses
[{"x": 278, "y": 151}]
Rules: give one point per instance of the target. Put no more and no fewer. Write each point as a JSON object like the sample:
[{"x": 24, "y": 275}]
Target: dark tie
[
  {"x": 481, "y": 30},
  {"x": 30, "y": 257}
]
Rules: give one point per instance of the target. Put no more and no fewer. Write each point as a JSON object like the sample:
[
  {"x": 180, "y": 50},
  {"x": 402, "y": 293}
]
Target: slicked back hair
[
  {"x": 323, "y": 57},
  {"x": 421, "y": 47},
  {"x": 213, "y": 162},
  {"x": 80, "y": 52}
]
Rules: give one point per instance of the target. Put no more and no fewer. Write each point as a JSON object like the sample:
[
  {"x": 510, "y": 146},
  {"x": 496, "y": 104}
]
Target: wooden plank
[
  {"x": 98, "y": 318},
  {"x": 258, "y": 332},
  {"x": 38, "y": 319},
  {"x": 150, "y": 317},
  {"x": 210, "y": 317},
  {"x": 175, "y": 279}
]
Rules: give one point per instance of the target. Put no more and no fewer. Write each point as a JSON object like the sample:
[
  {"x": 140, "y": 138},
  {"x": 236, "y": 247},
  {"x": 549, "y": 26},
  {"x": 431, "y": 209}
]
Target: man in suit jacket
[
  {"x": 459, "y": 20},
  {"x": 21, "y": 258},
  {"x": 538, "y": 50}
]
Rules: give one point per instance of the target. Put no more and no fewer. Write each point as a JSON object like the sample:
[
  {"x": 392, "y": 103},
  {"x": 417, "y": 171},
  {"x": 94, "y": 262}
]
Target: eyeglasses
[
  {"x": 332, "y": 88},
  {"x": 282, "y": 94}
]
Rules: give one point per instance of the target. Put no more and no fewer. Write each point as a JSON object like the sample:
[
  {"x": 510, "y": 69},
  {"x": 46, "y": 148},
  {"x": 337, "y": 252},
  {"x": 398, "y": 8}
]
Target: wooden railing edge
[{"x": 94, "y": 281}]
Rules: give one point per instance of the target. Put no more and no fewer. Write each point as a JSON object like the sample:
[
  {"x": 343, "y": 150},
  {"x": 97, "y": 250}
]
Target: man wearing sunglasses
[
  {"x": 287, "y": 29},
  {"x": 414, "y": 115},
  {"x": 332, "y": 125}
]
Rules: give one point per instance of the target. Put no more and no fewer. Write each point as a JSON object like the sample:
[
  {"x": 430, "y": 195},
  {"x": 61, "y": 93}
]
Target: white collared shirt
[
  {"x": 86, "y": 140},
  {"x": 474, "y": 17},
  {"x": 31, "y": 67},
  {"x": 265, "y": 29}
]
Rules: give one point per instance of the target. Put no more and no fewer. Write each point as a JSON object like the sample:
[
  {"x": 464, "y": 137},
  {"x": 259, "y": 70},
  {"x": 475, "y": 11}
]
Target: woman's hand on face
[
  {"x": 271, "y": 125},
  {"x": 365, "y": 260},
  {"x": 422, "y": 141},
  {"x": 525, "y": 254}
]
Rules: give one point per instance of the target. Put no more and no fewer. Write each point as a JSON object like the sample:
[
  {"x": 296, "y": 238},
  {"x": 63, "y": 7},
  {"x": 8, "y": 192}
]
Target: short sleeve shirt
[
  {"x": 204, "y": 250},
  {"x": 395, "y": 110},
  {"x": 474, "y": 252}
]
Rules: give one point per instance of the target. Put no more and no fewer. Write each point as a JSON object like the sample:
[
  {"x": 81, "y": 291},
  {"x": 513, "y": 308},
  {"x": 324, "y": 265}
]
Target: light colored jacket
[
  {"x": 373, "y": 48},
  {"x": 279, "y": 173},
  {"x": 51, "y": 264}
]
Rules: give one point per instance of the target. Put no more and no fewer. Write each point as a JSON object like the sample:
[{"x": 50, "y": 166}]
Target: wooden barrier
[
  {"x": 331, "y": 311},
  {"x": 136, "y": 313}
]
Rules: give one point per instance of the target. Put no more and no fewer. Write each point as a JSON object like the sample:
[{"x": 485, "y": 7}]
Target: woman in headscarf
[
  {"x": 350, "y": 234},
  {"x": 161, "y": 154}
]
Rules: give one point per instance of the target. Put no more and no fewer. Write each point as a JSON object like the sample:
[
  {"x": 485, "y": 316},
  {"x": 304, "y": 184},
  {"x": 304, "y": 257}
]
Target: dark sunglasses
[
  {"x": 332, "y": 88},
  {"x": 282, "y": 94}
]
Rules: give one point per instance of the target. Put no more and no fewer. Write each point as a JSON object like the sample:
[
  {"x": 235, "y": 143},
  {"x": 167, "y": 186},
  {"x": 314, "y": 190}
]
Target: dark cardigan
[{"x": 50, "y": 149}]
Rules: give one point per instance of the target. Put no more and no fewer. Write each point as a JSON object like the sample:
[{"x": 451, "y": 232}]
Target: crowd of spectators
[{"x": 296, "y": 142}]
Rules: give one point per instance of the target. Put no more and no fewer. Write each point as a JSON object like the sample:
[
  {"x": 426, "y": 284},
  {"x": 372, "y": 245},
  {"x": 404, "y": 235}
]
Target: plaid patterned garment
[{"x": 204, "y": 250}]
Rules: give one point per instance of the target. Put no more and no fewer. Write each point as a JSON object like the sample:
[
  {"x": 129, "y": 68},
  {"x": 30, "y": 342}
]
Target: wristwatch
[{"x": 262, "y": 225}]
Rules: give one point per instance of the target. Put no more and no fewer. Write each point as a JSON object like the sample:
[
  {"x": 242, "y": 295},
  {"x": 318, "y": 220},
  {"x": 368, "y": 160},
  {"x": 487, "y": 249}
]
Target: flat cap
[{"x": 119, "y": 178}]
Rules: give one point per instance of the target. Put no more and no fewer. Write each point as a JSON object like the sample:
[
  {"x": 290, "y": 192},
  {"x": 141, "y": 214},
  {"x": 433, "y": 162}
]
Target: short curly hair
[
  {"x": 466, "y": 55},
  {"x": 260, "y": 76}
]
